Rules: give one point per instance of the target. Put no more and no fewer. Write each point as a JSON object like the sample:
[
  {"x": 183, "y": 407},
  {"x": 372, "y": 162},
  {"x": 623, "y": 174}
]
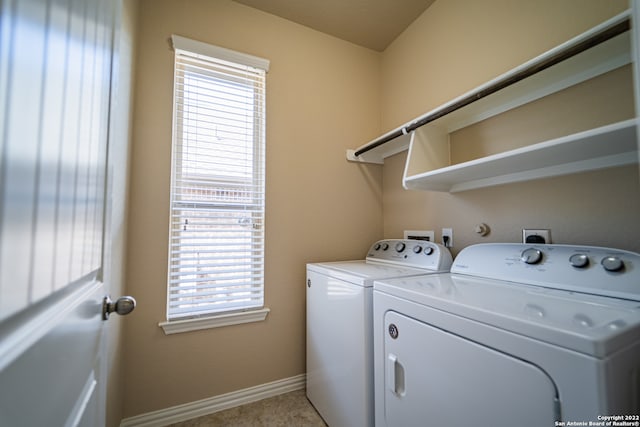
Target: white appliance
[
  {"x": 339, "y": 325},
  {"x": 516, "y": 334}
]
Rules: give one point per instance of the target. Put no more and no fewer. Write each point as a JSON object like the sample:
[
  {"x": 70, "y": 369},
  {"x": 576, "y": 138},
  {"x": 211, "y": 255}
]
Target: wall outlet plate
[
  {"x": 426, "y": 235},
  {"x": 538, "y": 235},
  {"x": 448, "y": 232}
]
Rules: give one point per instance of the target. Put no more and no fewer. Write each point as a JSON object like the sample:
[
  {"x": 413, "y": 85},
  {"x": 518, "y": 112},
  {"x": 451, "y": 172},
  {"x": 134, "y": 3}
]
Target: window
[{"x": 216, "y": 243}]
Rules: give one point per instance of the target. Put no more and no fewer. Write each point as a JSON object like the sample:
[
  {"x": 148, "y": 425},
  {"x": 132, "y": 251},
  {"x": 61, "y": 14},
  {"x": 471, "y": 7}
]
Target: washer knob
[
  {"x": 579, "y": 260},
  {"x": 531, "y": 256},
  {"x": 612, "y": 263},
  {"x": 417, "y": 249},
  {"x": 428, "y": 250},
  {"x": 376, "y": 247},
  {"x": 400, "y": 246},
  {"x": 385, "y": 246}
]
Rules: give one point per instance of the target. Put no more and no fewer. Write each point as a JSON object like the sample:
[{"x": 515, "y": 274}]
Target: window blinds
[{"x": 216, "y": 248}]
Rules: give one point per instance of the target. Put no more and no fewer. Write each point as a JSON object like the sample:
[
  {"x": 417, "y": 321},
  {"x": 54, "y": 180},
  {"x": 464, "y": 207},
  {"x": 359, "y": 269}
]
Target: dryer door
[{"x": 436, "y": 378}]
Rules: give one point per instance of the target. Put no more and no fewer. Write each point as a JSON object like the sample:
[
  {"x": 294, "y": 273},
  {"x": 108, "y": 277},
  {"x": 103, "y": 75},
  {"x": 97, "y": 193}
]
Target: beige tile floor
[{"x": 287, "y": 410}]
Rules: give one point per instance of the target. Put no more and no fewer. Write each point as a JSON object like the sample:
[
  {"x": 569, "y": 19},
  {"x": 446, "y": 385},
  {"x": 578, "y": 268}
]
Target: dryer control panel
[
  {"x": 587, "y": 269},
  {"x": 413, "y": 253}
]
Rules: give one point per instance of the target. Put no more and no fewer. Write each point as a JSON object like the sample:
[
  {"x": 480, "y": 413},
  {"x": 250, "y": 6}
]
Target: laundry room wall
[
  {"x": 456, "y": 45},
  {"x": 322, "y": 95},
  {"x": 116, "y": 227}
]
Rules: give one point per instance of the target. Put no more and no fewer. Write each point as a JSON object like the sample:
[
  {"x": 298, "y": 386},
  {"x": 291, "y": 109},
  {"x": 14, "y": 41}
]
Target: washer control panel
[
  {"x": 414, "y": 253},
  {"x": 587, "y": 269}
]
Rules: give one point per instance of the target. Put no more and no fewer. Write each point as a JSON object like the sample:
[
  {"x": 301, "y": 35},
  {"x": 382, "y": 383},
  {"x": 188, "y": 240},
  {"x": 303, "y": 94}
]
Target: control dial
[
  {"x": 385, "y": 246},
  {"x": 612, "y": 263},
  {"x": 579, "y": 260},
  {"x": 531, "y": 256},
  {"x": 417, "y": 249},
  {"x": 428, "y": 250},
  {"x": 400, "y": 246}
]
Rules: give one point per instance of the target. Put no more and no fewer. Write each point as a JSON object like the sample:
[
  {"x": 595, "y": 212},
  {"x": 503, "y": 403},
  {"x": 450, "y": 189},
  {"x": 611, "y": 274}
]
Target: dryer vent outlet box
[
  {"x": 539, "y": 236},
  {"x": 424, "y": 235}
]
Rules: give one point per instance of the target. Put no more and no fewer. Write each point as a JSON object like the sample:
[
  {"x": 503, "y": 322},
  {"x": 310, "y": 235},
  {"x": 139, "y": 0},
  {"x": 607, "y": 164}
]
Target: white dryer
[
  {"x": 340, "y": 330},
  {"x": 526, "y": 335}
]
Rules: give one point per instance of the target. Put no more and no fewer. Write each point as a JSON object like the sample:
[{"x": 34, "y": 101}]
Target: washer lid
[
  {"x": 589, "y": 324},
  {"x": 363, "y": 273}
]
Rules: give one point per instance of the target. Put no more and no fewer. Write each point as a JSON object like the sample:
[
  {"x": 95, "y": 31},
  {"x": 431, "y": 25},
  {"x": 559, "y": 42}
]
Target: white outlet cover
[{"x": 449, "y": 233}]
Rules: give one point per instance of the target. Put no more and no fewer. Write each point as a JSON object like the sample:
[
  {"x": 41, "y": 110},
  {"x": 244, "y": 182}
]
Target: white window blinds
[{"x": 216, "y": 245}]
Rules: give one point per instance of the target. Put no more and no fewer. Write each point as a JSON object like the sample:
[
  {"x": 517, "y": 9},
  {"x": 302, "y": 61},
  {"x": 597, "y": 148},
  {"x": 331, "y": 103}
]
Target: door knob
[{"x": 122, "y": 306}]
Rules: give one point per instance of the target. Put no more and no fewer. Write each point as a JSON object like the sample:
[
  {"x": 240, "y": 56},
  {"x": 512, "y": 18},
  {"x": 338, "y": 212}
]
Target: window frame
[{"x": 231, "y": 316}]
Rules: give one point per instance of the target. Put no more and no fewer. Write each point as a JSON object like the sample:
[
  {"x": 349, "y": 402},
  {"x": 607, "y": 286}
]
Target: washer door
[{"x": 433, "y": 377}]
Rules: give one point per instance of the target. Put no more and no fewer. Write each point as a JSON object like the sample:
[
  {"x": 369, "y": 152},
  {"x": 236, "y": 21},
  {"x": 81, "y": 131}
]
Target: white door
[
  {"x": 435, "y": 378},
  {"x": 55, "y": 82}
]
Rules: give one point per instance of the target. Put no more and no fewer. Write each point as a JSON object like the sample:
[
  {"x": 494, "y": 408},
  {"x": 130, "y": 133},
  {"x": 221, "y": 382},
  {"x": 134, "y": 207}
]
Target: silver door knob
[{"x": 122, "y": 306}]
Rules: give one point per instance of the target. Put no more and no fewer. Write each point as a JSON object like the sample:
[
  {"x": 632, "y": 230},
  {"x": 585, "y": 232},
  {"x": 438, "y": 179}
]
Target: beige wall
[
  {"x": 452, "y": 48},
  {"x": 322, "y": 98},
  {"x": 119, "y": 145}
]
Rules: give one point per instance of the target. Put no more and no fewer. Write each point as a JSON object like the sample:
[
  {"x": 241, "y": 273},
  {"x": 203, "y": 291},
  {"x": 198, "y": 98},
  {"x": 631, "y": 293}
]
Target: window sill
[{"x": 187, "y": 325}]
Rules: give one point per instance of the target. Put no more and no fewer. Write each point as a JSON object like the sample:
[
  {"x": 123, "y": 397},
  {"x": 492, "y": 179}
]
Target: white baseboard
[{"x": 199, "y": 408}]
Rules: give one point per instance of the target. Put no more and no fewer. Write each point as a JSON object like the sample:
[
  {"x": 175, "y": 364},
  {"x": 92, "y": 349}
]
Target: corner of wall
[{"x": 119, "y": 154}]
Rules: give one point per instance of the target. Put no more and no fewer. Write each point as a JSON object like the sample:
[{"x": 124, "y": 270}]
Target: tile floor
[{"x": 287, "y": 410}]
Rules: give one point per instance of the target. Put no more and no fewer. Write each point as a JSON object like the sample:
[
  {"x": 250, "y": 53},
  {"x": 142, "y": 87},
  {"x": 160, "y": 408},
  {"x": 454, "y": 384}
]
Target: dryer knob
[
  {"x": 579, "y": 260},
  {"x": 531, "y": 256},
  {"x": 612, "y": 263},
  {"x": 417, "y": 249},
  {"x": 400, "y": 246},
  {"x": 385, "y": 246},
  {"x": 428, "y": 250}
]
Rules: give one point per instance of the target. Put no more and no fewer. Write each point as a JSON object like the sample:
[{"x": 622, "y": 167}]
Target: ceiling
[{"x": 369, "y": 23}]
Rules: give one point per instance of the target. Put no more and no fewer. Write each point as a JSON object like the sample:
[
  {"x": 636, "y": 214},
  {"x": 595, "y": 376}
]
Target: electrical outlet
[
  {"x": 542, "y": 236},
  {"x": 447, "y": 237},
  {"x": 426, "y": 235}
]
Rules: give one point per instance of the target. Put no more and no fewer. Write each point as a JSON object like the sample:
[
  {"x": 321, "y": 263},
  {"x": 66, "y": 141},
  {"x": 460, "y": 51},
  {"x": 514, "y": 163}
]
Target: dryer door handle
[{"x": 395, "y": 375}]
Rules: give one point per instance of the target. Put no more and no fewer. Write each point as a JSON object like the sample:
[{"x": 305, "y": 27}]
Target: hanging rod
[{"x": 601, "y": 36}]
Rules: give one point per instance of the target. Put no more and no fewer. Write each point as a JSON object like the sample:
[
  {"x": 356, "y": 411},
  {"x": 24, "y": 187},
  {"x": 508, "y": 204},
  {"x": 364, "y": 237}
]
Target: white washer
[
  {"x": 339, "y": 325},
  {"x": 527, "y": 335}
]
